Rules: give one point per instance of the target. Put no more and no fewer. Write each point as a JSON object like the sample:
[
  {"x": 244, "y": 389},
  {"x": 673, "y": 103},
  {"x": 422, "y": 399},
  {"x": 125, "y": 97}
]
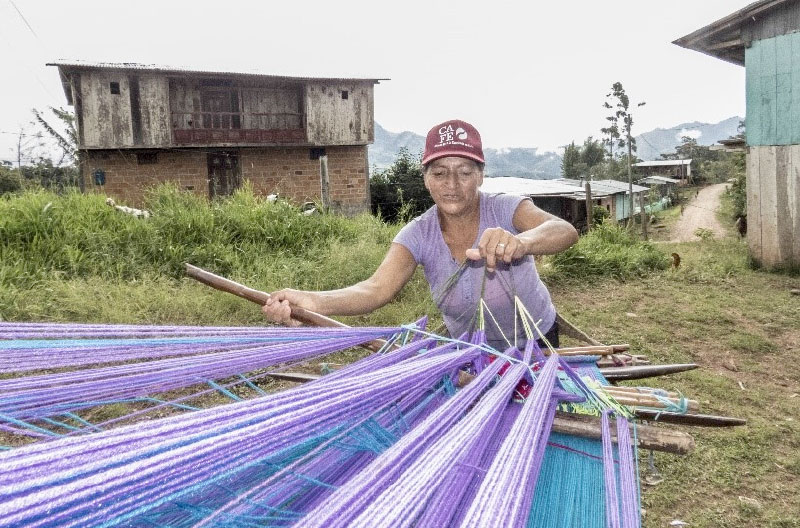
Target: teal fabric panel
[{"x": 752, "y": 61}]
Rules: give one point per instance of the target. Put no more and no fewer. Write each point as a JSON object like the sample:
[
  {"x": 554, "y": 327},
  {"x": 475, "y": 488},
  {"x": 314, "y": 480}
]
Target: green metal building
[{"x": 764, "y": 37}]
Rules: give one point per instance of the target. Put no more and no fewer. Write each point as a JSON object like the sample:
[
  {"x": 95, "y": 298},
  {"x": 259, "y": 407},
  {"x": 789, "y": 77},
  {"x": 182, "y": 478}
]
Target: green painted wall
[
  {"x": 772, "y": 68},
  {"x": 622, "y": 206}
]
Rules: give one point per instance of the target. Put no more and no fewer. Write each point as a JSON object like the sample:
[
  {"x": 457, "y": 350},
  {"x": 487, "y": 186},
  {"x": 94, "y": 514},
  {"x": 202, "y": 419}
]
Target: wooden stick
[
  {"x": 298, "y": 377},
  {"x": 569, "y": 329},
  {"x": 648, "y": 437},
  {"x": 704, "y": 420},
  {"x": 644, "y": 371},
  {"x": 651, "y": 401},
  {"x": 596, "y": 350},
  {"x": 622, "y": 360},
  {"x": 259, "y": 297},
  {"x": 640, "y": 390}
]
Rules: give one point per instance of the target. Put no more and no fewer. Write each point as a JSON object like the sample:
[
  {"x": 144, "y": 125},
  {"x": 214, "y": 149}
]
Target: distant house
[
  {"x": 566, "y": 198},
  {"x": 764, "y": 37},
  {"x": 614, "y": 196},
  {"x": 555, "y": 197},
  {"x": 664, "y": 186},
  {"x": 206, "y": 132},
  {"x": 680, "y": 170}
]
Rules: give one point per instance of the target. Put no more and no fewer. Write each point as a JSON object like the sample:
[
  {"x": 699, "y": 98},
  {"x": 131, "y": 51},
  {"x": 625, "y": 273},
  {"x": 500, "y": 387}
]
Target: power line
[{"x": 24, "y": 19}]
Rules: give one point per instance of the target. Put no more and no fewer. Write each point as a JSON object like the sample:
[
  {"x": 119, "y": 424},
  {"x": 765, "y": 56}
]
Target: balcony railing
[{"x": 238, "y": 127}]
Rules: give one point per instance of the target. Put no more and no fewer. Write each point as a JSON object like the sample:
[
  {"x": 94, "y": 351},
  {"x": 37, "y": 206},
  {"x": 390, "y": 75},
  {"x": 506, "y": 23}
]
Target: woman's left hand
[{"x": 496, "y": 245}]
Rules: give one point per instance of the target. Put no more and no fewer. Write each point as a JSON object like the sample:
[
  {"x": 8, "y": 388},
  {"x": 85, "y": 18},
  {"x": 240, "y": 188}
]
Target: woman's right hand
[{"x": 278, "y": 308}]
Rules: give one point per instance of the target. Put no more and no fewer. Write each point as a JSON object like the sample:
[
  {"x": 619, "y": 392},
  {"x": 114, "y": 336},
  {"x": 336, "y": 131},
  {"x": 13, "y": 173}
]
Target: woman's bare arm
[
  {"x": 364, "y": 297},
  {"x": 541, "y": 233}
]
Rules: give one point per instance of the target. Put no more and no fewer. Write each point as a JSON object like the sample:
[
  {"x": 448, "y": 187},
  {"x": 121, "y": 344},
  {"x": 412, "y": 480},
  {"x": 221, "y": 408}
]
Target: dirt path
[{"x": 700, "y": 212}]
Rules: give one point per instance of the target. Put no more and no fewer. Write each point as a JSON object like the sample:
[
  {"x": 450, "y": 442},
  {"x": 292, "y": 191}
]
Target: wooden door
[{"x": 224, "y": 176}]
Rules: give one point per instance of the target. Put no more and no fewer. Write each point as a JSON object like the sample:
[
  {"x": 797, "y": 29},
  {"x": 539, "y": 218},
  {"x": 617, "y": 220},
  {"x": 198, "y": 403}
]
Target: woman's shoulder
[
  {"x": 420, "y": 225},
  {"x": 502, "y": 199},
  {"x": 426, "y": 220},
  {"x": 499, "y": 208}
]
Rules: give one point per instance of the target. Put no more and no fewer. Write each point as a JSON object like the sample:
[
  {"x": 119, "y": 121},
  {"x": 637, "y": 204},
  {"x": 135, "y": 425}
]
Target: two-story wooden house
[{"x": 139, "y": 125}]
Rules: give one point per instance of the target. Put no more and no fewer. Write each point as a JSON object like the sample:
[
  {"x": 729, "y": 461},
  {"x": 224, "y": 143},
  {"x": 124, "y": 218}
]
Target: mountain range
[
  {"x": 651, "y": 145},
  {"x": 531, "y": 163}
]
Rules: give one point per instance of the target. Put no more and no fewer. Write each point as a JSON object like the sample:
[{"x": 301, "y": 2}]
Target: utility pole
[
  {"x": 589, "y": 207},
  {"x": 643, "y": 216},
  {"x": 324, "y": 182},
  {"x": 630, "y": 172}
]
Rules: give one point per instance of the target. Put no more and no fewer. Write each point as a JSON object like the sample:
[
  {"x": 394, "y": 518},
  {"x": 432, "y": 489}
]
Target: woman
[{"x": 472, "y": 246}]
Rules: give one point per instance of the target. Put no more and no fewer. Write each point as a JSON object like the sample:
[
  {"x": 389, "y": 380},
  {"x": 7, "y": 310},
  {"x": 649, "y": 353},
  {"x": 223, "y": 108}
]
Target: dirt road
[{"x": 700, "y": 212}]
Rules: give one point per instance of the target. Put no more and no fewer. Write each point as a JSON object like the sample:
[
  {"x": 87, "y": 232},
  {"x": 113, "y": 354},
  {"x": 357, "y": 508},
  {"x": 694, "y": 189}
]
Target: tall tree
[
  {"x": 66, "y": 140},
  {"x": 619, "y": 103},
  {"x": 592, "y": 152},
  {"x": 571, "y": 162}
]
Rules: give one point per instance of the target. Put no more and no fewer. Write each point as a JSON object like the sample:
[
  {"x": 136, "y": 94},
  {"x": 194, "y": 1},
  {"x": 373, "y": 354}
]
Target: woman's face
[{"x": 453, "y": 183}]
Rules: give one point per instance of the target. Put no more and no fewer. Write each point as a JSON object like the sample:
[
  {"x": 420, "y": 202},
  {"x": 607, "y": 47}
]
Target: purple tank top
[{"x": 459, "y": 302}]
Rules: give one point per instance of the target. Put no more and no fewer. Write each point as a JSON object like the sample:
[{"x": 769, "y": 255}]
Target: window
[
  {"x": 316, "y": 152},
  {"x": 220, "y": 108},
  {"x": 345, "y": 94},
  {"x": 147, "y": 158},
  {"x": 114, "y": 87}
]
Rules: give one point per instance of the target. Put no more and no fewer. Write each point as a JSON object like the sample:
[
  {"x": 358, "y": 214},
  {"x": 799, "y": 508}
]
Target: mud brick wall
[{"x": 290, "y": 172}]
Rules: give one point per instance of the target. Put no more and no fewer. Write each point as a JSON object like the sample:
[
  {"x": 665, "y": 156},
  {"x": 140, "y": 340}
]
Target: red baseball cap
[{"x": 453, "y": 138}]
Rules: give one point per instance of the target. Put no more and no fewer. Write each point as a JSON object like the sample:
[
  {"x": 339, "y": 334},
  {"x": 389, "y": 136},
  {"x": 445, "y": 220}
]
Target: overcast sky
[{"x": 526, "y": 73}]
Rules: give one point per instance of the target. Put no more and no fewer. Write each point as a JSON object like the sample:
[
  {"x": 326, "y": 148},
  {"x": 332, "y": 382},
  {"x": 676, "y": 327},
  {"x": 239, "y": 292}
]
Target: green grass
[{"x": 717, "y": 311}]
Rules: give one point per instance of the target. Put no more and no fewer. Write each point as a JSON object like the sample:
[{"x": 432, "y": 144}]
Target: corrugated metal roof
[
  {"x": 662, "y": 179},
  {"x": 88, "y": 65},
  {"x": 560, "y": 187},
  {"x": 527, "y": 187},
  {"x": 616, "y": 187},
  {"x": 605, "y": 187},
  {"x": 663, "y": 163}
]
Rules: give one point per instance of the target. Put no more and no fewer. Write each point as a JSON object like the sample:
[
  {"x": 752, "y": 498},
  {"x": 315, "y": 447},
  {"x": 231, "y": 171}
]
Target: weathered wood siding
[
  {"x": 773, "y": 205},
  {"x": 773, "y": 91},
  {"x": 285, "y": 104},
  {"x": 154, "y": 109},
  {"x": 335, "y": 120},
  {"x": 183, "y": 97},
  {"x": 150, "y": 109},
  {"x": 106, "y": 116},
  {"x": 778, "y": 20}
]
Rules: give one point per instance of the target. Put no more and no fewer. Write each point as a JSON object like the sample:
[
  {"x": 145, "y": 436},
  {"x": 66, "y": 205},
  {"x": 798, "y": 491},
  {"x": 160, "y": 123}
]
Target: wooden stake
[
  {"x": 589, "y": 207},
  {"x": 569, "y": 329},
  {"x": 644, "y": 371},
  {"x": 643, "y": 215},
  {"x": 324, "y": 183},
  {"x": 595, "y": 350},
  {"x": 648, "y": 437}
]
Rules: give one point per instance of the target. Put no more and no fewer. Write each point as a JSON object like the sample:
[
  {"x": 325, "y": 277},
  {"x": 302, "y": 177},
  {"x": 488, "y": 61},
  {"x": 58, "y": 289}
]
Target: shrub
[
  {"x": 609, "y": 250},
  {"x": 738, "y": 193},
  {"x": 398, "y": 193},
  {"x": 9, "y": 181}
]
